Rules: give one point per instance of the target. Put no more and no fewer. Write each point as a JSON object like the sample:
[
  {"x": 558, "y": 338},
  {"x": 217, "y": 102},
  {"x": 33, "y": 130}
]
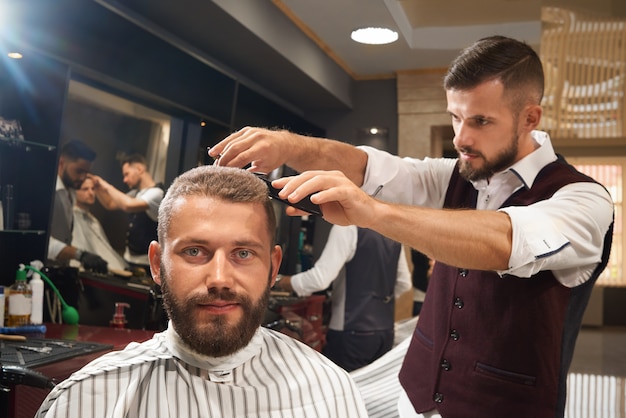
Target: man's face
[
  {"x": 132, "y": 174},
  {"x": 215, "y": 267},
  {"x": 486, "y": 131},
  {"x": 73, "y": 173},
  {"x": 87, "y": 193}
]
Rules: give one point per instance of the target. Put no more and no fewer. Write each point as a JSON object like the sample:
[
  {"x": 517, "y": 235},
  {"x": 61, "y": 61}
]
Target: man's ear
[
  {"x": 276, "y": 257},
  {"x": 532, "y": 117},
  {"x": 154, "y": 254}
]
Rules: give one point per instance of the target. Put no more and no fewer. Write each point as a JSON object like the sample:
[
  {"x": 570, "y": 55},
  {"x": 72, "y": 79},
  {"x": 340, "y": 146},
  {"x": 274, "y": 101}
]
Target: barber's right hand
[
  {"x": 94, "y": 262},
  {"x": 264, "y": 149}
]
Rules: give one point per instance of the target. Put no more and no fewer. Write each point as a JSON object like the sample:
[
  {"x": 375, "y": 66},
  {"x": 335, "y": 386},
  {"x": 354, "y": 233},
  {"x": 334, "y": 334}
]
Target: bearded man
[{"x": 216, "y": 260}]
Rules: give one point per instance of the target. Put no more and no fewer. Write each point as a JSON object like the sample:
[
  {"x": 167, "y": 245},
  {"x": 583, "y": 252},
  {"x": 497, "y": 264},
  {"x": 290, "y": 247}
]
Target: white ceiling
[{"x": 432, "y": 32}]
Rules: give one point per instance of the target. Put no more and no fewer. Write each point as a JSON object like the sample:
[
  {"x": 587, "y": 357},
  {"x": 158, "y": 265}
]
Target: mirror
[{"x": 114, "y": 127}]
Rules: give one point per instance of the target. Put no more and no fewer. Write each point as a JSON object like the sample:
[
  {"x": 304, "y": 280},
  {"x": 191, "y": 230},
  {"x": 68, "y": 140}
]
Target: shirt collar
[
  {"x": 526, "y": 169},
  {"x": 215, "y": 365},
  {"x": 60, "y": 185}
]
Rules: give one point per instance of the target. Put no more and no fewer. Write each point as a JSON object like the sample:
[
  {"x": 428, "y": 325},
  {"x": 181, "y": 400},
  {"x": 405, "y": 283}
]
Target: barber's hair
[
  {"x": 225, "y": 183},
  {"x": 514, "y": 63},
  {"x": 75, "y": 150},
  {"x": 134, "y": 158}
]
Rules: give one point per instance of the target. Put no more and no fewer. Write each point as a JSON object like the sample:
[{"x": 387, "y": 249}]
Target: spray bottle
[
  {"x": 1, "y": 306},
  {"x": 36, "y": 285},
  {"x": 20, "y": 300}
]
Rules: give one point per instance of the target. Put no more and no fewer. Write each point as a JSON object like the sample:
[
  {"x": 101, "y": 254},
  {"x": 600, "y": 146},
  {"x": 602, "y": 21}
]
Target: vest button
[
  {"x": 463, "y": 272},
  {"x": 445, "y": 365},
  {"x": 454, "y": 334},
  {"x": 438, "y": 397},
  {"x": 458, "y": 302}
]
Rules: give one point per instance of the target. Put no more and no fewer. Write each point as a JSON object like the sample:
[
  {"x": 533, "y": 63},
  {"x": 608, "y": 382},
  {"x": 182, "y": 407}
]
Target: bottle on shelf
[
  {"x": 1, "y": 306},
  {"x": 36, "y": 285},
  {"x": 20, "y": 300},
  {"x": 119, "y": 318}
]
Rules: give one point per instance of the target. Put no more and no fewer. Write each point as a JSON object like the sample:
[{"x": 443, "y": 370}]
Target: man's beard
[
  {"x": 502, "y": 161},
  {"x": 215, "y": 337},
  {"x": 68, "y": 182}
]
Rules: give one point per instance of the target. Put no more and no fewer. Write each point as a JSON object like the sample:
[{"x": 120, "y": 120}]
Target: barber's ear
[
  {"x": 154, "y": 254},
  {"x": 532, "y": 117}
]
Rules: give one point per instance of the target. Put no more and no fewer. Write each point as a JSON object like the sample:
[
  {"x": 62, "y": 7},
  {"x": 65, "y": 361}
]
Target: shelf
[
  {"x": 28, "y": 145},
  {"x": 23, "y": 231}
]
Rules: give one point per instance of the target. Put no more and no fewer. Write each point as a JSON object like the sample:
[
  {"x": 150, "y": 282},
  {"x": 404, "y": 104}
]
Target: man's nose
[
  {"x": 462, "y": 137},
  {"x": 220, "y": 271}
]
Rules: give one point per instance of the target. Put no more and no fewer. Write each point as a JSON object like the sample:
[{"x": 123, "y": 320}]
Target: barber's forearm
[
  {"x": 464, "y": 238},
  {"x": 328, "y": 154},
  {"x": 112, "y": 198}
]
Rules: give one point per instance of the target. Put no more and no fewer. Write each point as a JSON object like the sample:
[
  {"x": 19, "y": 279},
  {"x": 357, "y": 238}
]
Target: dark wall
[{"x": 375, "y": 104}]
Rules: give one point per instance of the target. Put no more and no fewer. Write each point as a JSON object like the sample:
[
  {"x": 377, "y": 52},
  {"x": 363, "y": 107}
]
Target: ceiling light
[
  {"x": 14, "y": 55},
  {"x": 374, "y": 36}
]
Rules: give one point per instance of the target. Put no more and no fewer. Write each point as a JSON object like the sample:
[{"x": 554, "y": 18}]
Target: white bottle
[
  {"x": 2, "y": 306},
  {"x": 36, "y": 285}
]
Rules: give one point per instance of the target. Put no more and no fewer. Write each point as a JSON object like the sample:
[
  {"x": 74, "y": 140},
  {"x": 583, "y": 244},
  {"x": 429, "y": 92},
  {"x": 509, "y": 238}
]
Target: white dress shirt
[
  {"x": 68, "y": 197},
  {"x": 564, "y": 234}
]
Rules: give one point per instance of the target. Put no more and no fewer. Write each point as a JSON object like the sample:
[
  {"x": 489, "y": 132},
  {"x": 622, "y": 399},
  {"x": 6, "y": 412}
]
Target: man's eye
[
  {"x": 244, "y": 254},
  {"x": 482, "y": 122},
  {"x": 192, "y": 251}
]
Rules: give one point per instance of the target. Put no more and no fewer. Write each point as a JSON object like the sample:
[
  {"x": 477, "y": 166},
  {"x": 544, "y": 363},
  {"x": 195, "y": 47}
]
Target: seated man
[
  {"x": 88, "y": 232},
  {"x": 216, "y": 261}
]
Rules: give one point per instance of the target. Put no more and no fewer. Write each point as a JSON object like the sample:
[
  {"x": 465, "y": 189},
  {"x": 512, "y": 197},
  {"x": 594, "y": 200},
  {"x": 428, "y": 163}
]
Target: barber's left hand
[{"x": 342, "y": 202}]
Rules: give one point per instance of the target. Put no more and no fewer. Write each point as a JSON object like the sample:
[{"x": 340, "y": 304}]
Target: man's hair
[
  {"x": 225, "y": 183},
  {"x": 134, "y": 158},
  {"x": 512, "y": 62},
  {"x": 76, "y": 150}
]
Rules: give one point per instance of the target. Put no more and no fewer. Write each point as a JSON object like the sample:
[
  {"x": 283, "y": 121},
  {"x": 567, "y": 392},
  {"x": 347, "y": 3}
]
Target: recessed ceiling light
[
  {"x": 15, "y": 55},
  {"x": 374, "y": 36}
]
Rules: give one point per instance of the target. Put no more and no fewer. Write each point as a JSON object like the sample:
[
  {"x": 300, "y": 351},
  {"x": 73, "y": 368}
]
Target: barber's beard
[
  {"x": 505, "y": 159},
  {"x": 70, "y": 183},
  {"x": 219, "y": 338}
]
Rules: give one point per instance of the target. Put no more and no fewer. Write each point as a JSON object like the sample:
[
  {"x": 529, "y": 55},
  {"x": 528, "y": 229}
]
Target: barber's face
[
  {"x": 132, "y": 174},
  {"x": 486, "y": 130},
  {"x": 216, "y": 267},
  {"x": 73, "y": 173}
]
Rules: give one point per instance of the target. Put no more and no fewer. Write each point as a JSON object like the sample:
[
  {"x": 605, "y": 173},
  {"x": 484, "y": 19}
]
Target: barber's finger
[
  {"x": 216, "y": 150},
  {"x": 231, "y": 147}
]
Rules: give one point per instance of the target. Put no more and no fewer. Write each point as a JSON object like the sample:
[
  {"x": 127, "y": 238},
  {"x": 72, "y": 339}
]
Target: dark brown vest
[{"x": 487, "y": 346}]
